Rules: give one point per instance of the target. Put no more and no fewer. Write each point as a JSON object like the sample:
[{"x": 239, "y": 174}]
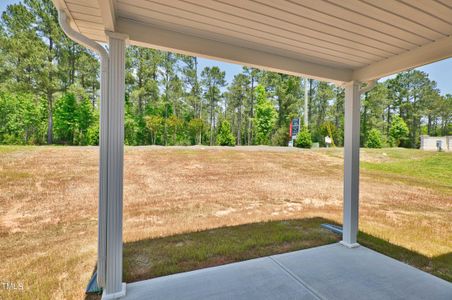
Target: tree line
[{"x": 49, "y": 88}]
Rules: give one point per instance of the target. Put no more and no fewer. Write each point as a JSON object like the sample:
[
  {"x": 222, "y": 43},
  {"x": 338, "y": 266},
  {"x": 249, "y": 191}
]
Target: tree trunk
[
  {"x": 413, "y": 132},
  {"x": 94, "y": 95},
  {"x": 364, "y": 130},
  {"x": 444, "y": 125},
  {"x": 166, "y": 127},
  {"x": 174, "y": 136},
  {"x": 239, "y": 125},
  {"x": 72, "y": 78},
  {"x": 211, "y": 122},
  {"x": 200, "y": 110},
  {"x": 140, "y": 100},
  {"x": 50, "y": 98},
  {"x": 50, "y": 118},
  {"x": 200, "y": 131},
  {"x": 250, "y": 118},
  {"x": 311, "y": 92},
  {"x": 388, "y": 119}
]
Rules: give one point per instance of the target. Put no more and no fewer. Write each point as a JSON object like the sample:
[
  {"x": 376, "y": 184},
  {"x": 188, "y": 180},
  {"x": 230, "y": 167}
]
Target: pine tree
[
  {"x": 212, "y": 81},
  {"x": 238, "y": 94},
  {"x": 265, "y": 117}
]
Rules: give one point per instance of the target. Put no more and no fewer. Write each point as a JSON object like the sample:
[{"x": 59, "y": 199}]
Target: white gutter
[{"x": 103, "y": 172}]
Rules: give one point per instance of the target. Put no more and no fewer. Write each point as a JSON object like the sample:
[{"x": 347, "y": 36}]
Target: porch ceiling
[{"x": 335, "y": 40}]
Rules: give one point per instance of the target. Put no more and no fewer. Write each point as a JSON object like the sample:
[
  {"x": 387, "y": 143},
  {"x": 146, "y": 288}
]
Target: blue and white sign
[{"x": 295, "y": 127}]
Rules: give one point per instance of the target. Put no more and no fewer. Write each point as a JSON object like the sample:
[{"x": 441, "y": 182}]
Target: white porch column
[
  {"x": 113, "y": 124},
  {"x": 351, "y": 164},
  {"x": 103, "y": 172}
]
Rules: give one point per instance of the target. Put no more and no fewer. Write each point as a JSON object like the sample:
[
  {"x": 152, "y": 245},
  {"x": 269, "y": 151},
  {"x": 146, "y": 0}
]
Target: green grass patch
[
  {"x": 431, "y": 170},
  {"x": 4, "y": 149},
  {"x": 439, "y": 266},
  {"x": 151, "y": 258},
  {"x": 411, "y": 166},
  {"x": 163, "y": 256},
  {"x": 11, "y": 175},
  {"x": 398, "y": 153}
]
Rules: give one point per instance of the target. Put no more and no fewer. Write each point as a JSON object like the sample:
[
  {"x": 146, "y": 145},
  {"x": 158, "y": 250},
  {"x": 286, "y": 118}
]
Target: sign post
[
  {"x": 294, "y": 129},
  {"x": 327, "y": 141}
]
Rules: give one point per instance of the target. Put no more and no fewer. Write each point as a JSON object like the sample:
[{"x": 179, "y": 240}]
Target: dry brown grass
[{"x": 48, "y": 204}]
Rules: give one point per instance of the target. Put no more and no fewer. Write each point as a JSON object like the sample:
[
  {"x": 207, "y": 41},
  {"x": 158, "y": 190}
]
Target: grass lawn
[
  {"x": 189, "y": 251},
  {"x": 188, "y": 208}
]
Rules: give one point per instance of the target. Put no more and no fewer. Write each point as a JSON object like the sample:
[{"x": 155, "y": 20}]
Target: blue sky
[
  {"x": 440, "y": 71},
  {"x": 230, "y": 69}
]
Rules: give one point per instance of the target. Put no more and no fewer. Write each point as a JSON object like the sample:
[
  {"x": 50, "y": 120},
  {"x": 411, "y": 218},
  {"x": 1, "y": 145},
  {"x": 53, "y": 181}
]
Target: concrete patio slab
[
  {"x": 337, "y": 272},
  {"x": 253, "y": 279},
  {"x": 327, "y": 272}
]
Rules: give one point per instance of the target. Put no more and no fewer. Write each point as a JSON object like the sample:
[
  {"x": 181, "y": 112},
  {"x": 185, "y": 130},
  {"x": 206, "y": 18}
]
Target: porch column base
[
  {"x": 116, "y": 295},
  {"x": 354, "y": 245}
]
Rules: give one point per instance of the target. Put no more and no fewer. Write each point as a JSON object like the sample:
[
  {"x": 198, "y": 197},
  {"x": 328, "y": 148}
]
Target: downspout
[{"x": 103, "y": 172}]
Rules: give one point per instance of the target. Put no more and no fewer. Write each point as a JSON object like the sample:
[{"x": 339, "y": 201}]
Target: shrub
[
  {"x": 65, "y": 118},
  {"x": 196, "y": 127},
  {"x": 84, "y": 119},
  {"x": 374, "y": 139},
  {"x": 398, "y": 131},
  {"x": 281, "y": 137},
  {"x": 155, "y": 125},
  {"x": 93, "y": 134},
  {"x": 19, "y": 118},
  {"x": 225, "y": 137},
  {"x": 303, "y": 139}
]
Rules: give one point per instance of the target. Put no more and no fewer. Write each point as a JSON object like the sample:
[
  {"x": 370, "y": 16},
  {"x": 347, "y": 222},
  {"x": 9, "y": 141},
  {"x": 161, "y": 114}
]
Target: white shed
[{"x": 436, "y": 143}]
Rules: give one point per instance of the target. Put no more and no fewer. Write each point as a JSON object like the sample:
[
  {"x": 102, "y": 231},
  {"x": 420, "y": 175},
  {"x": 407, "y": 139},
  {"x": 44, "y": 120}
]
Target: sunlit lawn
[{"x": 188, "y": 208}]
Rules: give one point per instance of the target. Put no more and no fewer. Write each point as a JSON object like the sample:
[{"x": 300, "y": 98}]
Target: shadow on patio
[{"x": 157, "y": 257}]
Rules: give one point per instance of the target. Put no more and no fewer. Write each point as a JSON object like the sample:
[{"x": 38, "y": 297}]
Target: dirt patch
[{"x": 48, "y": 203}]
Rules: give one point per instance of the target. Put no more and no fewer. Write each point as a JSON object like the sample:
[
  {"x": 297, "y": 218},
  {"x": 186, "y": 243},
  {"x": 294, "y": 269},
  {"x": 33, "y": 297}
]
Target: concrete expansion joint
[{"x": 297, "y": 279}]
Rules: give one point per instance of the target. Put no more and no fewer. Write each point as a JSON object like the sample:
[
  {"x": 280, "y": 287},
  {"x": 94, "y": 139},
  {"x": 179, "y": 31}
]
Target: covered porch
[
  {"x": 350, "y": 43},
  {"x": 326, "y": 272}
]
